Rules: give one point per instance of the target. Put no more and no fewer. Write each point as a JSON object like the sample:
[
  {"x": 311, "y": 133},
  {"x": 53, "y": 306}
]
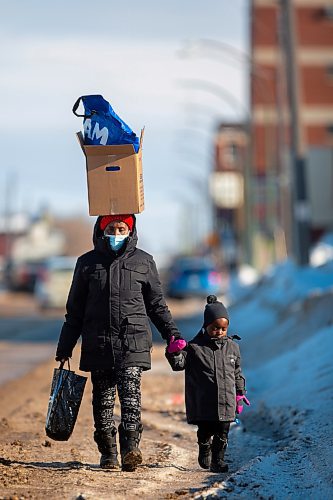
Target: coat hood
[{"x": 101, "y": 244}]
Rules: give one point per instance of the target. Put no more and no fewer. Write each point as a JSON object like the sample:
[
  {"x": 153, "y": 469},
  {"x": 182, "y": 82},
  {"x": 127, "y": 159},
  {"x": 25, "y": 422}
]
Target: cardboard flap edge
[
  {"x": 141, "y": 137},
  {"x": 79, "y": 137},
  {"x": 110, "y": 149}
]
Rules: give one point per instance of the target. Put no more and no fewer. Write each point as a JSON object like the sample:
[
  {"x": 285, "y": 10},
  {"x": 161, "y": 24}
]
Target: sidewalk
[
  {"x": 17, "y": 304},
  {"x": 24, "y": 304}
]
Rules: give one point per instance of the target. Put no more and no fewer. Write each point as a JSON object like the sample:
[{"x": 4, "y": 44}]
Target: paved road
[
  {"x": 28, "y": 340},
  {"x": 40, "y": 330},
  {"x": 30, "y": 329},
  {"x": 25, "y": 342}
]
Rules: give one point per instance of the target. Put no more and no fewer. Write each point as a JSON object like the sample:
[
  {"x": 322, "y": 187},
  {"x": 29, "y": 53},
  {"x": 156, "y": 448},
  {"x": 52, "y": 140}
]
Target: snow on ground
[
  {"x": 286, "y": 324},
  {"x": 322, "y": 252}
]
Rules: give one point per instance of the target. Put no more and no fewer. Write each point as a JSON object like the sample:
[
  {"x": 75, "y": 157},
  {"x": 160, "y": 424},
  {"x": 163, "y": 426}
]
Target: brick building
[
  {"x": 227, "y": 189},
  {"x": 271, "y": 137}
]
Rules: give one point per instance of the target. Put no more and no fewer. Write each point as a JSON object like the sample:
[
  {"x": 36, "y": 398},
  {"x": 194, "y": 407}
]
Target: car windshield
[
  {"x": 193, "y": 265},
  {"x": 61, "y": 264}
]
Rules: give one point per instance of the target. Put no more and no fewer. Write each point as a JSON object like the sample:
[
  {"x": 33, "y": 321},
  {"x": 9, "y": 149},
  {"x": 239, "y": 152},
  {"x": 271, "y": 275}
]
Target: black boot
[
  {"x": 218, "y": 449},
  {"x": 129, "y": 439},
  {"x": 107, "y": 445},
  {"x": 205, "y": 450}
]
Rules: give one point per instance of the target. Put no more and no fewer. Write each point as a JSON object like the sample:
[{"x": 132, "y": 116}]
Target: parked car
[
  {"x": 53, "y": 284},
  {"x": 21, "y": 276},
  {"x": 193, "y": 276}
]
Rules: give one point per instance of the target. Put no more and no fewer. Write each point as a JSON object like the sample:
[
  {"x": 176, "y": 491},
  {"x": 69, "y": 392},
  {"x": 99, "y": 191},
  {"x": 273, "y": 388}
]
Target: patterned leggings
[{"x": 105, "y": 383}]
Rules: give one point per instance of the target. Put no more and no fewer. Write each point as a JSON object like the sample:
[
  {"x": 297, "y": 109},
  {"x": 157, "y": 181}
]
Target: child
[{"x": 214, "y": 384}]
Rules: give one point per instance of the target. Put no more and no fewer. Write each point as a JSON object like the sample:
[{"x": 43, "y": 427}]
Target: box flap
[
  {"x": 141, "y": 137},
  {"x": 110, "y": 149},
  {"x": 79, "y": 137}
]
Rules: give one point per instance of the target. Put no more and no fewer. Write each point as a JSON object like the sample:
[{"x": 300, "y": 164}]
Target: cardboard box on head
[{"x": 114, "y": 178}]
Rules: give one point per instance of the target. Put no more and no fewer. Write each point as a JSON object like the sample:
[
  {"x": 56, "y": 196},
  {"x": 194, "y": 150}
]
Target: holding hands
[{"x": 175, "y": 346}]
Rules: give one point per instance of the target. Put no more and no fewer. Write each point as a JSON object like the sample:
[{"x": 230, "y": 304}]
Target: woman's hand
[{"x": 62, "y": 360}]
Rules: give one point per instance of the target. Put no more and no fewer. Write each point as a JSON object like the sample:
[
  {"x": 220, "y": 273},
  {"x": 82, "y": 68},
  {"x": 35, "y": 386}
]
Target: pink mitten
[
  {"x": 176, "y": 345},
  {"x": 239, "y": 403}
]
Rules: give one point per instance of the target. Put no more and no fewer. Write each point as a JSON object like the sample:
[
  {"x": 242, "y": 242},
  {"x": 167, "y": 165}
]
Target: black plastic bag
[{"x": 65, "y": 399}]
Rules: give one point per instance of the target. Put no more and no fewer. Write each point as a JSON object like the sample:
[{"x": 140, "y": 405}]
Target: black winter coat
[
  {"x": 212, "y": 377},
  {"x": 108, "y": 303}
]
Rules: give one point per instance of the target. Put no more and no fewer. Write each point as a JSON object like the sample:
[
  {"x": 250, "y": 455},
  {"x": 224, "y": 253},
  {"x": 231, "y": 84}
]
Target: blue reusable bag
[{"x": 102, "y": 126}]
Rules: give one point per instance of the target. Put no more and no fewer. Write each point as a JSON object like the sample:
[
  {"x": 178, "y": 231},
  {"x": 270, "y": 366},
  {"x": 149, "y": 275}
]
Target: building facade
[
  {"x": 227, "y": 190},
  {"x": 273, "y": 179}
]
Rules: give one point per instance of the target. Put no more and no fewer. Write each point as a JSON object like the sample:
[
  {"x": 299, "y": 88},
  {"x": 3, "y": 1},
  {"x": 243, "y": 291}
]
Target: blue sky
[{"x": 53, "y": 52}]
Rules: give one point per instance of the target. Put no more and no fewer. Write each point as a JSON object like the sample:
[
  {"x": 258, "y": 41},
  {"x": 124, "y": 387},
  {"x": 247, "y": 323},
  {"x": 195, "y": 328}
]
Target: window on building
[
  {"x": 329, "y": 71},
  {"x": 328, "y": 11},
  {"x": 231, "y": 154},
  {"x": 329, "y": 134}
]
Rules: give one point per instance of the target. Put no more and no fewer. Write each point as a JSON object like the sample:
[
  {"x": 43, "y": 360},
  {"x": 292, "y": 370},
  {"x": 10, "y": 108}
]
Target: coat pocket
[
  {"x": 97, "y": 280},
  {"x": 137, "y": 338},
  {"x": 135, "y": 275},
  {"x": 135, "y": 324},
  {"x": 137, "y": 342}
]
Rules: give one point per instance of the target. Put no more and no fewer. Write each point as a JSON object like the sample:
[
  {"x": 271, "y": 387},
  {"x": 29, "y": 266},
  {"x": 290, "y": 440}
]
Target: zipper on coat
[
  {"x": 225, "y": 380},
  {"x": 219, "y": 351},
  {"x": 217, "y": 380},
  {"x": 110, "y": 316}
]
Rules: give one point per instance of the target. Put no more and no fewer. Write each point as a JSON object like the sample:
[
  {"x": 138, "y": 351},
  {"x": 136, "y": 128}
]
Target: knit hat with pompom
[{"x": 214, "y": 310}]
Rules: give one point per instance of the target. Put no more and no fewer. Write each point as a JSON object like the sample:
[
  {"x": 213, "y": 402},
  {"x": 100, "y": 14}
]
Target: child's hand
[
  {"x": 239, "y": 403},
  {"x": 176, "y": 345}
]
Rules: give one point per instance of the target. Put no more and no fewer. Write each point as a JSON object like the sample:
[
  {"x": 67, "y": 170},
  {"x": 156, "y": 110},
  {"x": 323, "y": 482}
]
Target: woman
[{"x": 115, "y": 287}]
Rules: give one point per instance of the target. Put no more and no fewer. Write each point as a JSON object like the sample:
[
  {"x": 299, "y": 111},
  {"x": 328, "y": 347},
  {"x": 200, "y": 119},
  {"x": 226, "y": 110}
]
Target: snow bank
[
  {"x": 285, "y": 307},
  {"x": 295, "y": 389},
  {"x": 301, "y": 377},
  {"x": 322, "y": 251}
]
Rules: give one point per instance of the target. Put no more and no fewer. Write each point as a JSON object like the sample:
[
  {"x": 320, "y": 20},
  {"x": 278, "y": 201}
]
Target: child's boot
[
  {"x": 218, "y": 449},
  {"x": 129, "y": 439},
  {"x": 205, "y": 451},
  {"x": 107, "y": 445}
]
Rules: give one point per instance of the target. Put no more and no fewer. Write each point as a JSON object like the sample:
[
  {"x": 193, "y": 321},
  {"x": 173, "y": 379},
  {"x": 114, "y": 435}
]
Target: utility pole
[
  {"x": 7, "y": 212},
  {"x": 300, "y": 205}
]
